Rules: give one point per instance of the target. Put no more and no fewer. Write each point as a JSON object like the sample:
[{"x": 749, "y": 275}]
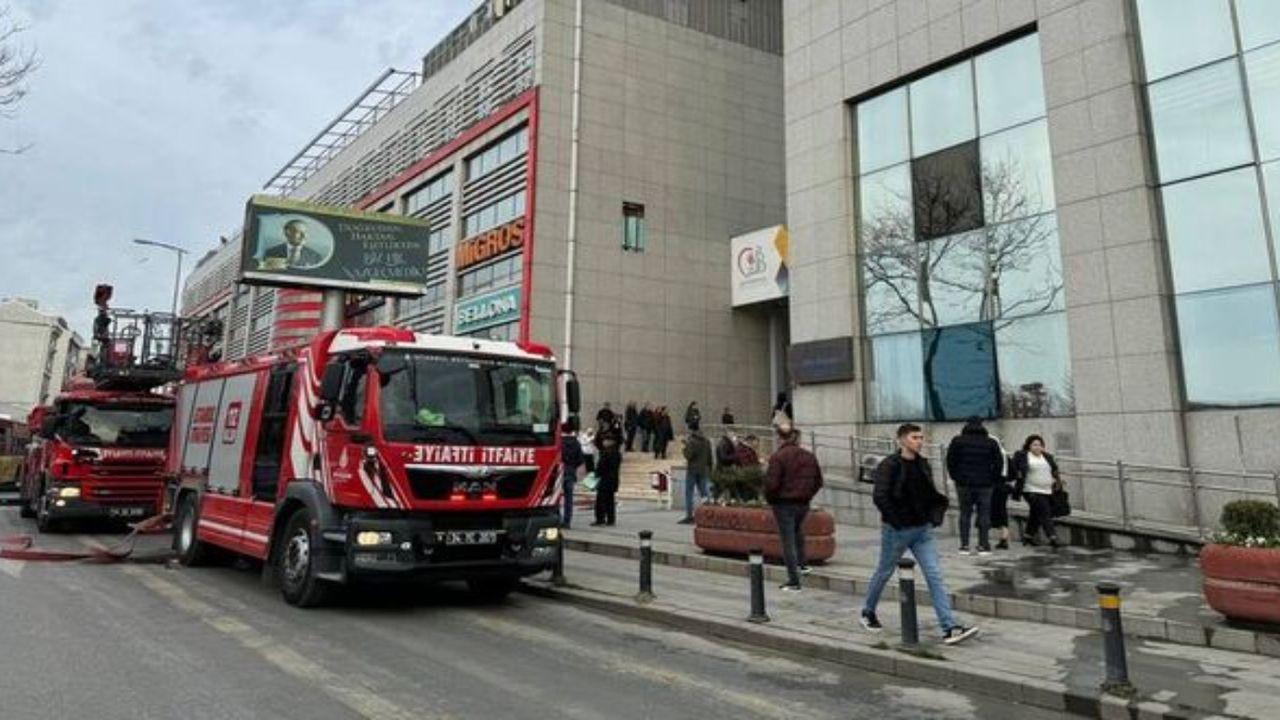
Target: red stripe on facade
[
  {"x": 299, "y": 307},
  {"x": 303, "y": 324}
]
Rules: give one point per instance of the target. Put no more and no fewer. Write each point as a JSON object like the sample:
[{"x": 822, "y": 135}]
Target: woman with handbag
[{"x": 1035, "y": 476}]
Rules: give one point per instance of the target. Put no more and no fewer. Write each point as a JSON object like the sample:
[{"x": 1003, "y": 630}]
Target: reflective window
[
  {"x": 437, "y": 189},
  {"x": 1259, "y": 22},
  {"x": 890, "y": 282},
  {"x": 497, "y": 154},
  {"x": 1181, "y": 34},
  {"x": 885, "y": 203},
  {"x": 1034, "y": 358},
  {"x": 1010, "y": 86},
  {"x": 1230, "y": 346},
  {"x": 1199, "y": 122},
  {"x": 1026, "y": 267},
  {"x": 1271, "y": 179},
  {"x": 946, "y": 192},
  {"x": 1017, "y": 173},
  {"x": 895, "y": 388},
  {"x": 882, "y": 131},
  {"x": 942, "y": 110},
  {"x": 959, "y": 372},
  {"x": 1215, "y": 231},
  {"x": 1263, "y": 70},
  {"x": 953, "y": 283}
]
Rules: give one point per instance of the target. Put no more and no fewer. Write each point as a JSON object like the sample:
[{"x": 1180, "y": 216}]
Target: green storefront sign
[{"x": 493, "y": 308}]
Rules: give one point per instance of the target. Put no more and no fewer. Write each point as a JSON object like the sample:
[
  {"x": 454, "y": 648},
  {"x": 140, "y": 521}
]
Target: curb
[
  {"x": 1136, "y": 626},
  {"x": 1041, "y": 694}
]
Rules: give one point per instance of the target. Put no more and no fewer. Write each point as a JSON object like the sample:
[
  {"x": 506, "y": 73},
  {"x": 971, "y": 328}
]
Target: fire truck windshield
[
  {"x": 463, "y": 399},
  {"x": 115, "y": 425}
]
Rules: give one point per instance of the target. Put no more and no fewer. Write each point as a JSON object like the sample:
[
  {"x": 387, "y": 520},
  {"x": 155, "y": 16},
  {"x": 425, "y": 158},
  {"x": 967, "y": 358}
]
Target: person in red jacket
[{"x": 793, "y": 478}]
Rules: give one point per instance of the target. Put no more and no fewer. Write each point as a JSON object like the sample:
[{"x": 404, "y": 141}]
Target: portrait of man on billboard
[{"x": 292, "y": 242}]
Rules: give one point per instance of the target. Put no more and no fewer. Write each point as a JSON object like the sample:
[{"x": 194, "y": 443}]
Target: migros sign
[{"x": 490, "y": 244}]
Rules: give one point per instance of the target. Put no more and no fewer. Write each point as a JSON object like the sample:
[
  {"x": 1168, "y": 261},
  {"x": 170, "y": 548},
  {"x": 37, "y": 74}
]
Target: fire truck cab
[{"x": 374, "y": 453}]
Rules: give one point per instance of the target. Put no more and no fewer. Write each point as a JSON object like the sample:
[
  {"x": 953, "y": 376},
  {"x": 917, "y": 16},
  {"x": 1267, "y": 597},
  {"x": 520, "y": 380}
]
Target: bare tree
[
  {"x": 16, "y": 64},
  {"x": 999, "y": 272}
]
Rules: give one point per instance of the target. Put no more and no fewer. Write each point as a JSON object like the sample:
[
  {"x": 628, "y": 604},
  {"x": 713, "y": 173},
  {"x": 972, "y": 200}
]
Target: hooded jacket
[{"x": 974, "y": 459}]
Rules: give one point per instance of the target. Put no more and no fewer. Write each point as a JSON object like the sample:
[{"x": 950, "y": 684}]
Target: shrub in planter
[
  {"x": 1241, "y": 567},
  {"x": 740, "y": 520}
]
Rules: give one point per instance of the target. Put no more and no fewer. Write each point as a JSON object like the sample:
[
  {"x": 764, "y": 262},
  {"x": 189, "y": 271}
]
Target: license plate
[
  {"x": 126, "y": 512},
  {"x": 470, "y": 537}
]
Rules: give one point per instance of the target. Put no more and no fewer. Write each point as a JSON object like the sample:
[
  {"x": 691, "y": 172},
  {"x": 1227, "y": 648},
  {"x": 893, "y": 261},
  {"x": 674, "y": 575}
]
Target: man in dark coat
[
  {"x": 910, "y": 507},
  {"x": 571, "y": 458},
  {"x": 697, "y": 457},
  {"x": 975, "y": 463},
  {"x": 631, "y": 420},
  {"x": 645, "y": 425},
  {"x": 793, "y": 478},
  {"x": 608, "y": 468}
]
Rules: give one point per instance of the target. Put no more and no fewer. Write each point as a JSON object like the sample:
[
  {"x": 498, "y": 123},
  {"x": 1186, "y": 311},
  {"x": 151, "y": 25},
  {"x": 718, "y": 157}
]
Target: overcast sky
[{"x": 158, "y": 118}]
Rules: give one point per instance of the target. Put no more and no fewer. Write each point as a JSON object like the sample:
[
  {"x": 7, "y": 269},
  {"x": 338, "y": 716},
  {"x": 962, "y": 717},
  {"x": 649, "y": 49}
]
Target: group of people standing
[{"x": 652, "y": 424}]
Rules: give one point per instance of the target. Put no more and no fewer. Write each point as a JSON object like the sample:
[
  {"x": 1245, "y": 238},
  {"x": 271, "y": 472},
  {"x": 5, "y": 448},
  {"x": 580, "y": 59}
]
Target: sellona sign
[{"x": 493, "y": 308}]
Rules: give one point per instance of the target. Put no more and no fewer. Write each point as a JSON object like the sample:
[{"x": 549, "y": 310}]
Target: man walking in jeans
[
  {"x": 793, "y": 478},
  {"x": 910, "y": 507},
  {"x": 975, "y": 464}
]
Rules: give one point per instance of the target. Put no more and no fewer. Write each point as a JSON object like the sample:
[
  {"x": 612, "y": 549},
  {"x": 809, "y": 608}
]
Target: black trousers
[
  {"x": 790, "y": 519},
  {"x": 606, "y": 506},
  {"x": 1040, "y": 515},
  {"x": 631, "y": 437}
]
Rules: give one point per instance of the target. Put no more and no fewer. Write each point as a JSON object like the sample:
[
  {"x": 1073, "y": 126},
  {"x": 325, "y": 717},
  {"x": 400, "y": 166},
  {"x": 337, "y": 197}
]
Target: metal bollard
[
  {"x": 907, "y": 601},
  {"x": 646, "y": 567},
  {"x": 557, "y": 570},
  {"x": 1117, "y": 678},
  {"x": 758, "y": 615}
]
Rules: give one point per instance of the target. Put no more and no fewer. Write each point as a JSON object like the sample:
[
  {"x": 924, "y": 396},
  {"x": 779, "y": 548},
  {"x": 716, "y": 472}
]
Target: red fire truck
[
  {"x": 99, "y": 448},
  {"x": 374, "y": 453}
]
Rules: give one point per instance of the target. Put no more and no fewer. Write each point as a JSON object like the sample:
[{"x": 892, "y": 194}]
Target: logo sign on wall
[
  {"x": 490, "y": 244},
  {"x": 493, "y": 308},
  {"x": 301, "y": 244},
  {"x": 759, "y": 266}
]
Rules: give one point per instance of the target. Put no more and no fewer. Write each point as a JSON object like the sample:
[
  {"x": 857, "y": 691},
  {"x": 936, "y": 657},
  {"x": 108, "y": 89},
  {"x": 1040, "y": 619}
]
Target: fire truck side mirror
[
  {"x": 330, "y": 389},
  {"x": 48, "y": 426}
]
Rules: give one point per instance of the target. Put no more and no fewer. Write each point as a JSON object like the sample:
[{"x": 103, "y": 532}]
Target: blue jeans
[
  {"x": 570, "y": 478},
  {"x": 971, "y": 498},
  {"x": 790, "y": 520},
  {"x": 919, "y": 540},
  {"x": 690, "y": 480}
]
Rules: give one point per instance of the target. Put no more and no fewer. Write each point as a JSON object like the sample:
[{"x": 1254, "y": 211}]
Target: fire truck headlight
[
  {"x": 370, "y": 537},
  {"x": 69, "y": 492},
  {"x": 550, "y": 534}
]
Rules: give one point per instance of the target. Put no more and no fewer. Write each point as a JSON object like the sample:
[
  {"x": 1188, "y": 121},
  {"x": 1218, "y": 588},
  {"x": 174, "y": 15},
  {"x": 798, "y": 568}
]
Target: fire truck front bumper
[
  {"x": 448, "y": 547},
  {"x": 75, "y": 508}
]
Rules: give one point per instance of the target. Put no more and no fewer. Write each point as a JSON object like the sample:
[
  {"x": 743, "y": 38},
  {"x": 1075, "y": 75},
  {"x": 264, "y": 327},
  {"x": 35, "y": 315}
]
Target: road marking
[
  {"x": 621, "y": 664},
  {"x": 348, "y": 688}
]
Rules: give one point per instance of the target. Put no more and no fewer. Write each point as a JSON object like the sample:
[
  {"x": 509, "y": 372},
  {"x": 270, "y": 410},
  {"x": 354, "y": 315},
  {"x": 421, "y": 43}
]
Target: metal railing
[{"x": 1183, "y": 501}]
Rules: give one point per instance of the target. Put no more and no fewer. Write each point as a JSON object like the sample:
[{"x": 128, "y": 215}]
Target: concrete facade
[
  {"x": 41, "y": 353},
  {"x": 1124, "y": 355}
]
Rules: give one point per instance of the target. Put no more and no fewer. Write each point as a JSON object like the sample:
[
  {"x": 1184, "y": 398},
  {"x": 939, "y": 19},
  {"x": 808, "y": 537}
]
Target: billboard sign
[
  {"x": 287, "y": 242},
  {"x": 821, "y": 361},
  {"x": 482, "y": 311},
  {"x": 759, "y": 266}
]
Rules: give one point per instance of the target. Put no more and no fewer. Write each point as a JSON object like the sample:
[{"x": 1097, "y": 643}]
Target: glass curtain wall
[
  {"x": 961, "y": 271},
  {"x": 1213, "y": 87}
]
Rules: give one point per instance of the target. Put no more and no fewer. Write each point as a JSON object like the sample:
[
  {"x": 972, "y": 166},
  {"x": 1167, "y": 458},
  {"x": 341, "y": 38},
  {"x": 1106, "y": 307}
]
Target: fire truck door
[
  {"x": 267, "y": 455},
  {"x": 225, "y": 503}
]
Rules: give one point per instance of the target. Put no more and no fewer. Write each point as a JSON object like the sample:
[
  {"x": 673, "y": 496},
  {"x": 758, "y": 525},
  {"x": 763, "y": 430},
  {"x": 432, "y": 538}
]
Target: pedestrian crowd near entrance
[{"x": 986, "y": 476}]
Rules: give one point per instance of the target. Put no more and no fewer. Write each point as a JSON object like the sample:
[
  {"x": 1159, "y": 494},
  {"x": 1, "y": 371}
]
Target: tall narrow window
[{"x": 633, "y": 226}]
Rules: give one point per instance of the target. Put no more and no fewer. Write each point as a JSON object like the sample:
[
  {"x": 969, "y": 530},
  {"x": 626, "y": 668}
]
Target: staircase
[{"x": 633, "y": 481}]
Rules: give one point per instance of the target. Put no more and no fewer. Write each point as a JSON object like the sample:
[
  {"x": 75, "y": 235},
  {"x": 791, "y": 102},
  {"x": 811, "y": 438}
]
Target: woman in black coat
[{"x": 1035, "y": 476}]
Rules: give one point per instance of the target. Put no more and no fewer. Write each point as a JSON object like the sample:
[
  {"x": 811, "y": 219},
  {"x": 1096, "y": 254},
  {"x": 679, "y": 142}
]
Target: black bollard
[
  {"x": 756, "y": 566},
  {"x": 557, "y": 570},
  {"x": 1117, "y": 678},
  {"x": 646, "y": 567},
  {"x": 907, "y": 601}
]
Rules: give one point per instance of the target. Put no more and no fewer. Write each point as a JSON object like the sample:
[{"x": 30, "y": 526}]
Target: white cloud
[{"x": 158, "y": 119}]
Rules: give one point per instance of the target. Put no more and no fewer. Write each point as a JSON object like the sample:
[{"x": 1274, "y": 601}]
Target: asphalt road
[{"x": 138, "y": 640}]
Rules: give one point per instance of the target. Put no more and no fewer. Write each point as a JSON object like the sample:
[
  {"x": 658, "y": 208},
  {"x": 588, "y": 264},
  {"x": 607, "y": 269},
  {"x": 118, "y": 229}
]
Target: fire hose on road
[{"x": 21, "y": 547}]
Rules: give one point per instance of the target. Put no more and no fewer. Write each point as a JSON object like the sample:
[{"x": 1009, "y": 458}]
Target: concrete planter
[
  {"x": 1242, "y": 583},
  {"x": 735, "y": 530}
]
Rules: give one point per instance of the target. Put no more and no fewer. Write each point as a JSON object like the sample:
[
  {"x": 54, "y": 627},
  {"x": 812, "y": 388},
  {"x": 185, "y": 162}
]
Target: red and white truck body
[{"x": 372, "y": 452}]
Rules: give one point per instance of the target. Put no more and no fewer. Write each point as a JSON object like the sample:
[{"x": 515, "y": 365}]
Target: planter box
[
  {"x": 1242, "y": 583},
  {"x": 736, "y": 530}
]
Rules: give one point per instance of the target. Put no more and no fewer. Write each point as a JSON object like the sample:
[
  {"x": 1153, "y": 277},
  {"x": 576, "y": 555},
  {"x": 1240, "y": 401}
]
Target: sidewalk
[
  {"x": 1161, "y": 593},
  {"x": 1046, "y": 666}
]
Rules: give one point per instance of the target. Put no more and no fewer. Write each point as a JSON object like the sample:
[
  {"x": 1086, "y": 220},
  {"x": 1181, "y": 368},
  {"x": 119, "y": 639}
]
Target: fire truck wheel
[
  {"x": 492, "y": 590},
  {"x": 45, "y": 522},
  {"x": 297, "y": 571},
  {"x": 190, "y": 549}
]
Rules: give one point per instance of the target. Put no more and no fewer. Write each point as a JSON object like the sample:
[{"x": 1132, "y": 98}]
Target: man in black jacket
[
  {"x": 910, "y": 507},
  {"x": 975, "y": 463},
  {"x": 793, "y": 478}
]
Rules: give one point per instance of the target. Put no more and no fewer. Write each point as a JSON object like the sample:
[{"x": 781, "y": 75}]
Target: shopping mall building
[
  {"x": 583, "y": 176},
  {"x": 1062, "y": 216}
]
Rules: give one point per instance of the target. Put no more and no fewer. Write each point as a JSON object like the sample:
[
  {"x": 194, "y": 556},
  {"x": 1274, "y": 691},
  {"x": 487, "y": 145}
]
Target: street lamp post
[{"x": 177, "y": 276}]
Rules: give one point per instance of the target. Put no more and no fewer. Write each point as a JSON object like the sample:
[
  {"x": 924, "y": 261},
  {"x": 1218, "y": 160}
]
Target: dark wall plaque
[{"x": 821, "y": 361}]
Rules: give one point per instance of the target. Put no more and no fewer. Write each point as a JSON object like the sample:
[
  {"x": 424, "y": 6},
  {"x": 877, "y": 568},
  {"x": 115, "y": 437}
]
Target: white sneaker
[
  {"x": 805, "y": 569},
  {"x": 964, "y": 551}
]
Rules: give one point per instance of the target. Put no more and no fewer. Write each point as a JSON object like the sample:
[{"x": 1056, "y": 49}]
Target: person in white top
[{"x": 1035, "y": 476}]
